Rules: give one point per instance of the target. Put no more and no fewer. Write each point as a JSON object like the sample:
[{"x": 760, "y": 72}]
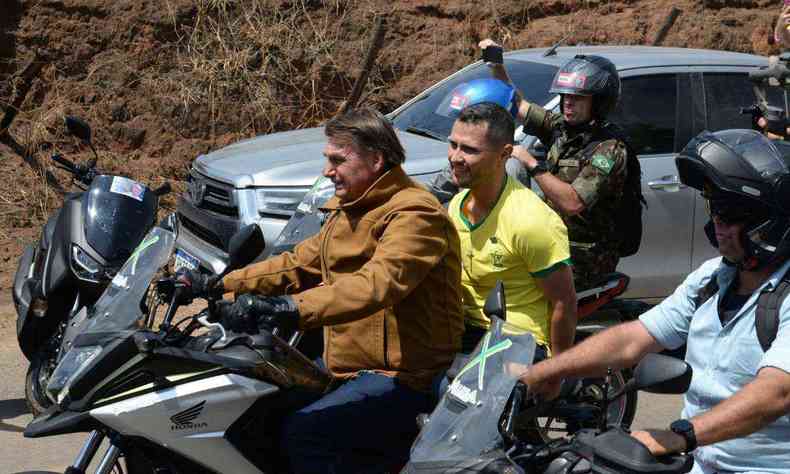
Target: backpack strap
[
  {"x": 705, "y": 293},
  {"x": 767, "y": 318}
]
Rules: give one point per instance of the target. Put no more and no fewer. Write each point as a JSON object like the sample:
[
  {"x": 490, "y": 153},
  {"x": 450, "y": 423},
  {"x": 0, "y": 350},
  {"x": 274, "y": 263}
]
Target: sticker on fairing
[
  {"x": 127, "y": 187},
  {"x": 603, "y": 163}
]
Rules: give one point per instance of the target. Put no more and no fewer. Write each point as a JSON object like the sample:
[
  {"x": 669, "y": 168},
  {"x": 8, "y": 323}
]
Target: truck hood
[{"x": 295, "y": 158}]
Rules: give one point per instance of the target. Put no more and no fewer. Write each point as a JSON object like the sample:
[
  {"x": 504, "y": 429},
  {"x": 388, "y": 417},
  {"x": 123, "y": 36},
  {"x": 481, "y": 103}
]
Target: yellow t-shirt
[{"x": 519, "y": 240}]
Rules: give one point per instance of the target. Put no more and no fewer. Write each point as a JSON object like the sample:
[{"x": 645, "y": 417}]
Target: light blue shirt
[{"x": 725, "y": 359}]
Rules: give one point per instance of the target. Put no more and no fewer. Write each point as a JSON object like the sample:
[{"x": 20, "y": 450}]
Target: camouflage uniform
[{"x": 598, "y": 177}]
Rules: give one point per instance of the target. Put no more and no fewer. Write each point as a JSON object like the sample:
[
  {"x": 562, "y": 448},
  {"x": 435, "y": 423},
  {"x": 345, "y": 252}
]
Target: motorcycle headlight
[
  {"x": 73, "y": 364},
  {"x": 280, "y": 202},
  {"x": 323, "y": 189},
  {"x": 85, "y": 266}
]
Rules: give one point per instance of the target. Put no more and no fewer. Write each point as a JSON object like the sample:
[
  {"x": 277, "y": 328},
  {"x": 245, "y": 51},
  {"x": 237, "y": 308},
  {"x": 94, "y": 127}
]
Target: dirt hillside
[{"x": 162, "y": 81}]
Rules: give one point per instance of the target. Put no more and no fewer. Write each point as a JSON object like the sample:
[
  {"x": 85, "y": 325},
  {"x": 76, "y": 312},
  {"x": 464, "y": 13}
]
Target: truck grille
[{"x": 211, "y": 195}]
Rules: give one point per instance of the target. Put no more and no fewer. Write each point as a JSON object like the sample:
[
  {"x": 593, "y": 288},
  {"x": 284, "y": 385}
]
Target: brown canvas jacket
[{"x": 383, "y": 279}]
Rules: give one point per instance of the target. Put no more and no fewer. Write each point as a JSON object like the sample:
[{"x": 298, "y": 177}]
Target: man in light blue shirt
[{"x": 735, "y": 417}]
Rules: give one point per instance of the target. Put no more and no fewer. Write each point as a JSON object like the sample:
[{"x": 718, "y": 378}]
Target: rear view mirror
[
  {"x": 78, "y": 128},
  {"x": 658, "y": 373},
  {"x": 495, "y": 302},
  {"x": 244, "y": 247}
]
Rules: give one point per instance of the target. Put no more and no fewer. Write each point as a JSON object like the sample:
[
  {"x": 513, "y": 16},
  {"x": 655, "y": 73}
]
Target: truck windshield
[{"x": 532, "y": 79}]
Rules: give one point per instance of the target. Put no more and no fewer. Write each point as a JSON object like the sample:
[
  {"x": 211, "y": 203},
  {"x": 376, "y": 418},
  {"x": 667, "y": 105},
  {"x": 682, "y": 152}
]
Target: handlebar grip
[
  {"x": 677, "y": 462},
  {"x": 163, "y": 189}
]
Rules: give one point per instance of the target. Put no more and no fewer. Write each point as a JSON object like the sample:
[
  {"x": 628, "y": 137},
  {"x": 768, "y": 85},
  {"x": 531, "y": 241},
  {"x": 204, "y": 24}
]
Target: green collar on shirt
[{"x": 466, "y": 222}]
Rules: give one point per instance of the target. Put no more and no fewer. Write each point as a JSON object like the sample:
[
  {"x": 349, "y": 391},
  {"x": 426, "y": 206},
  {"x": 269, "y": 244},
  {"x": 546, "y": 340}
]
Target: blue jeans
[{"x": 366, "y": 425}]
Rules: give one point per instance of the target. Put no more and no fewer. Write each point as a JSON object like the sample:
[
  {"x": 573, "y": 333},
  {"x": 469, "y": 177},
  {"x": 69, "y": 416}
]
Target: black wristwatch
[
  {"x": 540, "y": 168},
  {"x": 685, "y": 429}
]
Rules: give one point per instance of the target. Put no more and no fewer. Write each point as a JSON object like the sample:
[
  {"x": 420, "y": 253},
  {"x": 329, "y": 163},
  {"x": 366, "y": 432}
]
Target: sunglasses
[{"x": 732, "y": 212}]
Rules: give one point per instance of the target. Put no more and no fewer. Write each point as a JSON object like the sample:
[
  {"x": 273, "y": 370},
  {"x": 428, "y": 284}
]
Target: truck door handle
[{"x": 669, "y": 183}]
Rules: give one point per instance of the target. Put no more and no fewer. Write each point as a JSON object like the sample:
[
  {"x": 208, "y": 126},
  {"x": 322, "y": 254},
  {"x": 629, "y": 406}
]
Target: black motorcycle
[
  {"x": 82, "y": 246},
  {"x": 481, "y": 424}
]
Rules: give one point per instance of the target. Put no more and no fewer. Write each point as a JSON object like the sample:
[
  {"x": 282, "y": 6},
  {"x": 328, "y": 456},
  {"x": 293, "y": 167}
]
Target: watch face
[
  {"x": 685, "y": 429},
  {"x": 681, "y": 426}
]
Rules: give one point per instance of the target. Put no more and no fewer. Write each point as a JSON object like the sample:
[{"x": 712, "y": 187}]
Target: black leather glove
[
  {"x": 278, "y": 311},
  {"x": 251, "y": 312},
  {"x": 197, "y": 284}
]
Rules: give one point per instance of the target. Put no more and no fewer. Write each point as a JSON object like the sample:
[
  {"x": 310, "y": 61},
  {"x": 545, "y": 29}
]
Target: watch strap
[{"x": 685, "y": 429}]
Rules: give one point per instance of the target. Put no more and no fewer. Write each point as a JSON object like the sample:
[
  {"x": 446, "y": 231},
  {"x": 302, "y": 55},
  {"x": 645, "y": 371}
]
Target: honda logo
[{"x": 185, "y": 420}]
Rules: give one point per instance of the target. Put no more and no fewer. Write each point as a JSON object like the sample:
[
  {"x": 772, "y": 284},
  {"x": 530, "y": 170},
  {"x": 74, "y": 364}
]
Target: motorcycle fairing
[
  {"x": 463, "y": 430},
  {"x": 53, "y": 422},
  {"x": 213, "y": 403},
  {"x": 22, "y": 292},
  {"x": 57, "y": 263},
  {"x": 118, "y": 213}
]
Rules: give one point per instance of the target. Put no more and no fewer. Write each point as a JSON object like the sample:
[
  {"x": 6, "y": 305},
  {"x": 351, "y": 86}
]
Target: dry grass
[
  {"x": 255, "y": 66},
  {"x": 236, "y": 68}
]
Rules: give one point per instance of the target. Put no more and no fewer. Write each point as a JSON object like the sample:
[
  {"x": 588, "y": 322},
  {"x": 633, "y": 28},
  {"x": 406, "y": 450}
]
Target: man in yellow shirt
[{"x": 507, "y": 233}]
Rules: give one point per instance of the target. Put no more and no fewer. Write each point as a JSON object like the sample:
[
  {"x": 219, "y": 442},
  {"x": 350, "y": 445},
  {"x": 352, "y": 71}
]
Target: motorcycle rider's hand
[
  {"x": 545, "y": 388},
  {"x": 278, "y": 311},
  {"x": 661, "y": 442},
  {"x": 249, "y": 312},
  {"x": 196, "y": 284},
  {"x": 240, "y": 316}
]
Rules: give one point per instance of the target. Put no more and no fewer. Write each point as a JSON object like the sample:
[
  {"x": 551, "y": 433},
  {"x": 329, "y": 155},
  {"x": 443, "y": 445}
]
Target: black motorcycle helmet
[
  {"x": 746, "y": 178},
  {"x": 593, "y": 76}
]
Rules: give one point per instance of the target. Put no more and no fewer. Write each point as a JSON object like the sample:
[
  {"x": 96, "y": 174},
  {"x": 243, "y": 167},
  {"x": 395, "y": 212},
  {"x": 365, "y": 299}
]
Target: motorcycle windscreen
[
  {"x": 307, "y": 219},
  {"x": 117, "y": 212},
  {"x": 462, "y": 434}
]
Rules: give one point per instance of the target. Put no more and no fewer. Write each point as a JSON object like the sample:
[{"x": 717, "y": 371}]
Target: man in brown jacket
[{"x": 383, "y": 279}]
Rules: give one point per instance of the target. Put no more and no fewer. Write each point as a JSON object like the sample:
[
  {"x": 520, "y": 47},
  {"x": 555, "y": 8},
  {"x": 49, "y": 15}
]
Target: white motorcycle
[{"x": 170, "y": 400}]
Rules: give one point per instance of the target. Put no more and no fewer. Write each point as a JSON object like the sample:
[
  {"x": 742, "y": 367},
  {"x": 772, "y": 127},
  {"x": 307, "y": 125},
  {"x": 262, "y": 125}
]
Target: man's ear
[
  {"x": 379, "y": 164},
  {"x": 507, "y": 150}
]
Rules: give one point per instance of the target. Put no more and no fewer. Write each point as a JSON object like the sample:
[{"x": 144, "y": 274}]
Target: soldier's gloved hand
[{"x": 197, "y": 284}]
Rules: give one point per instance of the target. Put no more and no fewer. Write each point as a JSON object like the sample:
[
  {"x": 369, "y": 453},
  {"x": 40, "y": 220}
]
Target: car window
[
  {"x": 726, "y": 94},
  {"x": 532, "y": 79},
  {"x": 647, "y": 112}
]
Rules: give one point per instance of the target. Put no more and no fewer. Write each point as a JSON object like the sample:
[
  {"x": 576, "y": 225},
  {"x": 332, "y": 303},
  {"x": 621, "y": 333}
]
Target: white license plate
[{"x": 185, "y": 261}]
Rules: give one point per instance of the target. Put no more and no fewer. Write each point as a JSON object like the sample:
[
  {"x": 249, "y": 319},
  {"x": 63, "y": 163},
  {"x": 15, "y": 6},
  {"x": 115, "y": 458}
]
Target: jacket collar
[{"x": 380, "y": 191}]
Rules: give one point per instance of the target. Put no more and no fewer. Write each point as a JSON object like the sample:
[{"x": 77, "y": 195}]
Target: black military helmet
[
  {"x": 745, "y": 177},
  {"x": 594, "y": 76}
]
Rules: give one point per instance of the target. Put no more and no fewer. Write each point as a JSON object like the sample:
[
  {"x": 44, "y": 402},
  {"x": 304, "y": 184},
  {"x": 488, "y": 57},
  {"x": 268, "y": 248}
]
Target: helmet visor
[
  {"x": 759, "y": 152},
  {"x": 734, "y": 210}
]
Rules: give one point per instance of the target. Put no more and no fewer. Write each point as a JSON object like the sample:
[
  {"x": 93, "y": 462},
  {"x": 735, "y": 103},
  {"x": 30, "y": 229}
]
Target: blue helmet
[{"x": 477, "y": 91}]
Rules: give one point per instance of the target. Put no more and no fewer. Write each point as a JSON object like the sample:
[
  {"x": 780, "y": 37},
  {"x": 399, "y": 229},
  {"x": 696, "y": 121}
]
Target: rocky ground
[{"x": 162, "y": 81}]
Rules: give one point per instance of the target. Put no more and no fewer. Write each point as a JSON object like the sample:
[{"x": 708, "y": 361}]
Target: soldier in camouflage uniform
[{"x": 584, "y": 173}]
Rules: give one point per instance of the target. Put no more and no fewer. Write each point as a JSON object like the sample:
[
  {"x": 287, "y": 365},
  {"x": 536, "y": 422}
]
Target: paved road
[{"x": 19, "y": 455}]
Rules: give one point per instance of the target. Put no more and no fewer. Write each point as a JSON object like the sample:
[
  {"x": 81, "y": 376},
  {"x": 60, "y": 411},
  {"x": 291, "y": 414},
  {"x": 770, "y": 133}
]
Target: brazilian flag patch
[{"x": 603, "y": 163}]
